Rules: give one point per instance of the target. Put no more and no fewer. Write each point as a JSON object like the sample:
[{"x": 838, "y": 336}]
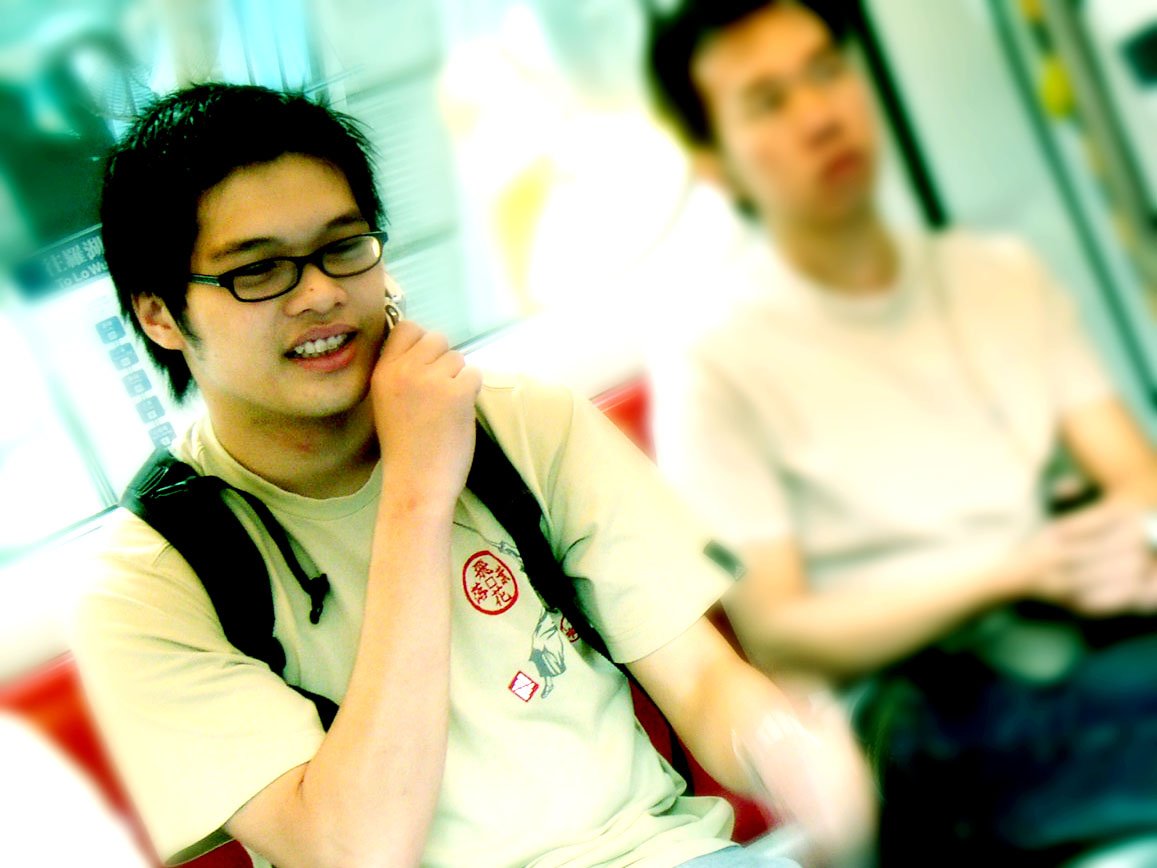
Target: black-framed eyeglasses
[{"x": 269, "y": 278}]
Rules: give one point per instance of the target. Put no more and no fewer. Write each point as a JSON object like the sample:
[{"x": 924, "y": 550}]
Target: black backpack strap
[
  {"x": 500, "y": 487},
  {"x": 189, "y": 510},
  {"x": 316, "y": 587}
]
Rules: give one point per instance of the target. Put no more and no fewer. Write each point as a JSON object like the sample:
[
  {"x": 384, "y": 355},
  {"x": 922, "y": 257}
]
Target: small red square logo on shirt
[{"x": 523, "y": 686}]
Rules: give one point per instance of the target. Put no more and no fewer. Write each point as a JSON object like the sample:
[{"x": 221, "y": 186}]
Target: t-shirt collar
[
  {"x": 776, "y": 282},
  {"x": 201, "y": 447}
]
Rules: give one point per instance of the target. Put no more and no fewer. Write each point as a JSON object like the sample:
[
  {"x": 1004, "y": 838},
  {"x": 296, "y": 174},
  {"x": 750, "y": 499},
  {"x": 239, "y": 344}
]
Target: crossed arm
[{"x": 1095, "y": 562}]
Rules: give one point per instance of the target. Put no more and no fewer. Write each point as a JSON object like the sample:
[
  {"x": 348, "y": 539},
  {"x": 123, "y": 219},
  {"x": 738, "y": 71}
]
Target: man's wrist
[
  {"x": 1016, "y": 577},
  {"x": 414, "y": 504}
]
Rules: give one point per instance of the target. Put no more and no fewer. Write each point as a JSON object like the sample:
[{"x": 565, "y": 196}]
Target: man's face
[
  {"x": 793, "y": 123},
  {"x": 247, "y": 358}
]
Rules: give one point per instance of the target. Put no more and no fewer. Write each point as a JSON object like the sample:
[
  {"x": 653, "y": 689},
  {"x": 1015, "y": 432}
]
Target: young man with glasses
[
  {"x": 871, "y": 422},
  {"x": 242, "y": 231}
]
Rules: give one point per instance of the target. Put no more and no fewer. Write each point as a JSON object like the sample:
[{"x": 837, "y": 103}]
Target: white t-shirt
[
  {"x": 894, "y": 436},
  {"x": 546, "y": 764}
]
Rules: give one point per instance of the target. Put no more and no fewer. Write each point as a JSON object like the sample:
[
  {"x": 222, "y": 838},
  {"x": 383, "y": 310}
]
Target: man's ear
[
  {"x": 707, "y": 165},
  {"x": 154, "y": 317}
]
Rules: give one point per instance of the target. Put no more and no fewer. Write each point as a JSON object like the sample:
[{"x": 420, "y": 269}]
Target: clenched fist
[{"x": 423, "y": 397}]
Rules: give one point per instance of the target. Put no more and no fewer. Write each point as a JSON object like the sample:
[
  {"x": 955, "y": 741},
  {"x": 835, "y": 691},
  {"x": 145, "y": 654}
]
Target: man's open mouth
[{"x": 320, "y": 347}]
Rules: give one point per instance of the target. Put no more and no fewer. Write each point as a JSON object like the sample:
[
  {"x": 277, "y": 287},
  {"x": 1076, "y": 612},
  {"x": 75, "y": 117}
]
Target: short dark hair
[
  {"x": 674, "y": 38},
  {"x": 181, "y": 146}
]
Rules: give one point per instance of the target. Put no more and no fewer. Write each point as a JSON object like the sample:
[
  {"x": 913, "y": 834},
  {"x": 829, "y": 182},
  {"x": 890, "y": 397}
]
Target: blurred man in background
[{"x": 872, "y": 421}]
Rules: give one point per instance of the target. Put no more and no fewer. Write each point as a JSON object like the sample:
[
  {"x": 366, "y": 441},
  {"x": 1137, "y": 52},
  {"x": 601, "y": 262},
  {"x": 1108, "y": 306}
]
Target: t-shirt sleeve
[
  {"x": 1076, "y": 375},
  {"x": 708, "y": 443},
  {"x": 638, "y": 556},
  {"x": 195, "y": 727}
]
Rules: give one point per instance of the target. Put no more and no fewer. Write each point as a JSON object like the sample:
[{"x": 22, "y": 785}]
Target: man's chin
[
  {"x": 335, "y": 407},
  {"x": 844, "y": 207}
]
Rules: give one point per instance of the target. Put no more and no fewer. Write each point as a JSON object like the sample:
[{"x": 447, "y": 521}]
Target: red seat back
[
  {"x": 51, "y": 700},
  {"x": 629, "y": 407}
]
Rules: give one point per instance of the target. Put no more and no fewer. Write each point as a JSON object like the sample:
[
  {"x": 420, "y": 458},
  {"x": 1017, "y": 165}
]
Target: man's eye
[
  {"x": 257, "y": 270},
  {"x": 765, "y": 101},
  {"x": 347, "y": 247},
  {"x": 828, "y": 68}
]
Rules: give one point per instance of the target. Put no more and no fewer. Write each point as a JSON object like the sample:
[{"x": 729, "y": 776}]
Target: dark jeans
[{"x": 975, "y": 765}]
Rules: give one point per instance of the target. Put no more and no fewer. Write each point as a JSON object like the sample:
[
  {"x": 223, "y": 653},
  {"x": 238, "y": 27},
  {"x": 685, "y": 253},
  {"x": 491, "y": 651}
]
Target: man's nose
[
  {"x": 814, "y": 113},
  {"x": 316, "y": 292}
]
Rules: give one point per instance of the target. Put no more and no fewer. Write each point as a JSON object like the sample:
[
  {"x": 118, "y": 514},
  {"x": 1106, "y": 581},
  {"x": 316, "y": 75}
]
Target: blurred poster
[{"x": 92, "y": 406}]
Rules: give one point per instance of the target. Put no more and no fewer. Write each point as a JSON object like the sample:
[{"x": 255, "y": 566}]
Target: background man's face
[{"x": 793, "y": 122}]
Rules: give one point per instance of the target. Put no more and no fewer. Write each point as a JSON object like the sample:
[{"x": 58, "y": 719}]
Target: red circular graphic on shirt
[{"x": 489, "y": 584}]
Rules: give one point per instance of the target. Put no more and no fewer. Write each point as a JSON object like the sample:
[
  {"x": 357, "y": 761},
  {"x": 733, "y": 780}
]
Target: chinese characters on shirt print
[{"x": 492, "y": 588}]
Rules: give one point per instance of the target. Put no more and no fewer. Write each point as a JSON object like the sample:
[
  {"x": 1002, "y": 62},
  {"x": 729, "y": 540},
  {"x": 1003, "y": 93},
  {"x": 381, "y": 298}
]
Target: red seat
[
  {"x": 50, "y": 699},
  {"x": 629, "y": 407}
]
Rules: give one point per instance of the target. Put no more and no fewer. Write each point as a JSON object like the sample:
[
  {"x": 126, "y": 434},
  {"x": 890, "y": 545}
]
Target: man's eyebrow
[
  {"x": 759, "y": 86},
  {"x": 241, "y": 247},
  {"x": 347, "y": 219},
  {"x": 246, "y": 245}
]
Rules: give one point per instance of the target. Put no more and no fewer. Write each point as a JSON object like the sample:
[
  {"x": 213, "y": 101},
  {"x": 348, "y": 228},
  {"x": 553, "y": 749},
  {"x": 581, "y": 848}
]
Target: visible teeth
[{"x": 320, "y": 347}]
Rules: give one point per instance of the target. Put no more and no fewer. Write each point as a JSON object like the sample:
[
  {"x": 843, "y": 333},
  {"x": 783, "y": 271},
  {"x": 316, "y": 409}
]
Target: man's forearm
[
  {"x": 732, "y": 704},
  {"x": 802, "y": 764},
  {"x": 369, "y": 794},
  {"x": 1139, "y": 491},
  {"x": 707, "y": 692},
  {"x": 847, "y": 632}
]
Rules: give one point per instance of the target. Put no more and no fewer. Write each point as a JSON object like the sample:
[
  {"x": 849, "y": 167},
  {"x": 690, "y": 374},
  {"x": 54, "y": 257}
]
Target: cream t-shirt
[
  {"x": 896, "y": 436},
  {"x": 546, "y": 765}
]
